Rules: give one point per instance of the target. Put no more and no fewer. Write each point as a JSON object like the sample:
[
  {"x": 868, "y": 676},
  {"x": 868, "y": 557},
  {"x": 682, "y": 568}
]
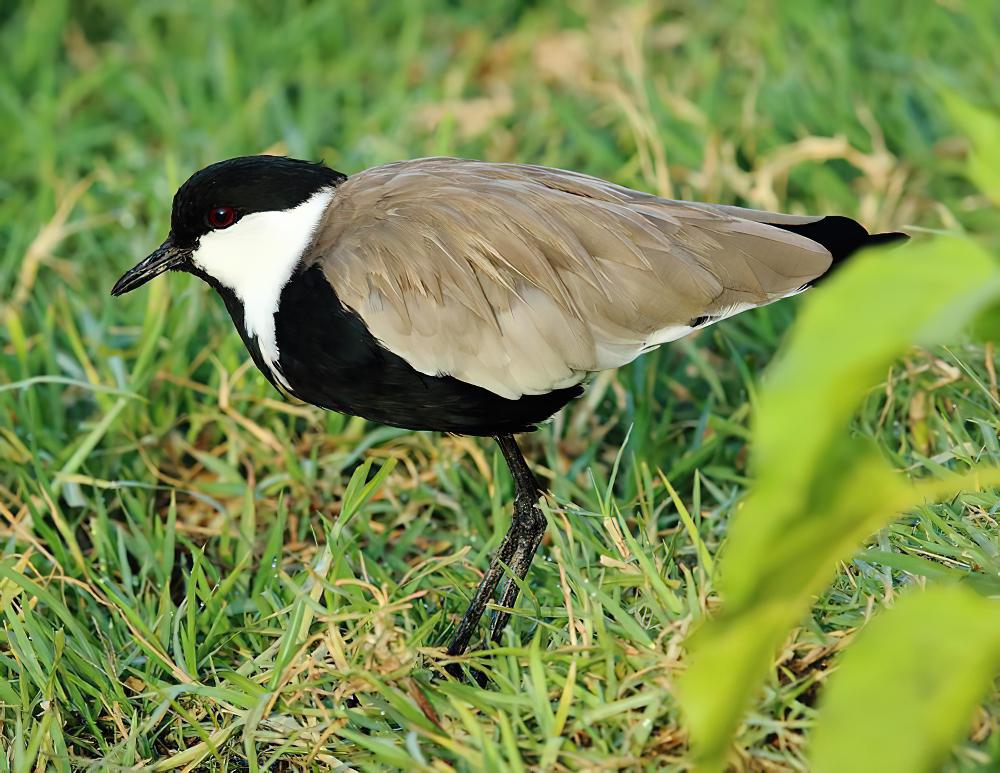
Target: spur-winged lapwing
[{"x": 470, "y": 297}]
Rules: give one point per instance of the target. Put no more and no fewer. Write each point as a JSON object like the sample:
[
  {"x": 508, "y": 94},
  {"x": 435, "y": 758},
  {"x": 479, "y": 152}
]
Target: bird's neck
[{"x": 238, "y": 314}]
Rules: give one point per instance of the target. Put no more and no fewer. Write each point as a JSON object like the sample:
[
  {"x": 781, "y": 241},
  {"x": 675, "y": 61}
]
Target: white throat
[{"x": 256, "y": 257}]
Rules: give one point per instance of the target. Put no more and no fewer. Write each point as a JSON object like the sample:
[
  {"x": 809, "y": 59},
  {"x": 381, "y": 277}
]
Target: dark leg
[
  {"x": 528, "y": 522},
  {"x": 470, "y": 620},
  {"x": 517, "y": 549}
]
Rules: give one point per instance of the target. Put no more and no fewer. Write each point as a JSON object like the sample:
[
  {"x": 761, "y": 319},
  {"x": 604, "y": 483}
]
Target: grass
[{"x": 196, "y": 573}]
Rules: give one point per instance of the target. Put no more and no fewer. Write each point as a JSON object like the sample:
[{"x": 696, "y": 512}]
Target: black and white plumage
[{"x": 470, "y": 297}]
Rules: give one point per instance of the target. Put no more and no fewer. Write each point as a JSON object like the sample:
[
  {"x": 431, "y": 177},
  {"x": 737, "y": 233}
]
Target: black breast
[{"x": 330, "y": 359}]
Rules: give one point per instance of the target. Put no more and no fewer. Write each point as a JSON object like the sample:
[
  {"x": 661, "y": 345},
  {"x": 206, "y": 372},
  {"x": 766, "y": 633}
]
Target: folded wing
[{"x": 523, "y": 279}]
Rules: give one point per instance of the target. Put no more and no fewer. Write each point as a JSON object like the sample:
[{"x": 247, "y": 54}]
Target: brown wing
[{"x": 522, "y": 279}]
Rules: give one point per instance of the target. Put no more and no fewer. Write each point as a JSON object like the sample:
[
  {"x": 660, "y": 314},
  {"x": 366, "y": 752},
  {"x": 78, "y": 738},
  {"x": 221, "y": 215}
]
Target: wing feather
[{"x": 522, "y": 279}]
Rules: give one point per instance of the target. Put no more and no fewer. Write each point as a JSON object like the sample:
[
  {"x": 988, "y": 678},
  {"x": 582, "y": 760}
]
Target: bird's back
[{"x": 522, "y": 279}]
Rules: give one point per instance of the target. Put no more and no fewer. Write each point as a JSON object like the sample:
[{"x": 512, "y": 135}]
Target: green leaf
[
  {"x": 819, "y": 493},
  {"x": 983, "y": 130},
  {"x": 906, "y": 690}
]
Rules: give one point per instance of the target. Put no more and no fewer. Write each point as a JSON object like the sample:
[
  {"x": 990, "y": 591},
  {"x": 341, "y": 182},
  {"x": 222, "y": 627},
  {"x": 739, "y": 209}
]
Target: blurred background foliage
[
  {"x": 818, "y": 493},
  {"x": 195, "y": 572}
]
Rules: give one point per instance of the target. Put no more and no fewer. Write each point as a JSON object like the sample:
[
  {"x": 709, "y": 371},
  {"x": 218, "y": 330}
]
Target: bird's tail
[{"x": 841, "y": 236}]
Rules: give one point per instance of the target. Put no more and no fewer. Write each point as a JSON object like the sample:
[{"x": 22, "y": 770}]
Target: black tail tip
[
  {"x": 842, "y": 237},
  {"x": 892, "y": 237}
]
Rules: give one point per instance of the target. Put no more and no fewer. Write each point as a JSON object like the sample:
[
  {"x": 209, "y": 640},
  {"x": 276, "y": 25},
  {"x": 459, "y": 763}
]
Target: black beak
[{"x": 167, "y": 256}]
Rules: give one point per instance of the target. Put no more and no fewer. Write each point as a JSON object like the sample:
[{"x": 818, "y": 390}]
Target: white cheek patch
[{"x": 256, "y": 257}]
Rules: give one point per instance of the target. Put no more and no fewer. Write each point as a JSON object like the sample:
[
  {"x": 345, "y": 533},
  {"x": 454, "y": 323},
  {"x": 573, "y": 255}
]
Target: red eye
[{"x": 221, "y": 217}]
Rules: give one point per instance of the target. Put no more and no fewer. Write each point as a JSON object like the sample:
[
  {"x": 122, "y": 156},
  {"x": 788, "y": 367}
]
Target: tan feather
[{"x": 521, "y": 279}]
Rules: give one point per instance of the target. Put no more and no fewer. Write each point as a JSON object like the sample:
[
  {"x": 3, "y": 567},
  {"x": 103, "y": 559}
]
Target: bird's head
[{"x": 235, "y": 221}]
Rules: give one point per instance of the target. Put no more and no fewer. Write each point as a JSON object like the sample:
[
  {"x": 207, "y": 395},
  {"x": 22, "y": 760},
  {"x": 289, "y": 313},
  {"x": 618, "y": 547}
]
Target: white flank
[
  {"x": 256, "y": 257},
  {"x": 674, "y": 332},
  {"x": 666, "y": 335}
]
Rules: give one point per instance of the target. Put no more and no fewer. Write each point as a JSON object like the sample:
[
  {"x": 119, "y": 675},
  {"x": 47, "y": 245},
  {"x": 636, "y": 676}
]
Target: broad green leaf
[
  {"x": 982, "y": 127},
  {"x": 854, "y": 327},
  {"x": 906, "y": 690},
  {"x": 819, "y": 493}
]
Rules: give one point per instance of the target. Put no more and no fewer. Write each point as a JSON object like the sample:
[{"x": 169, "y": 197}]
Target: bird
[{"x": 472, "y": 297}]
